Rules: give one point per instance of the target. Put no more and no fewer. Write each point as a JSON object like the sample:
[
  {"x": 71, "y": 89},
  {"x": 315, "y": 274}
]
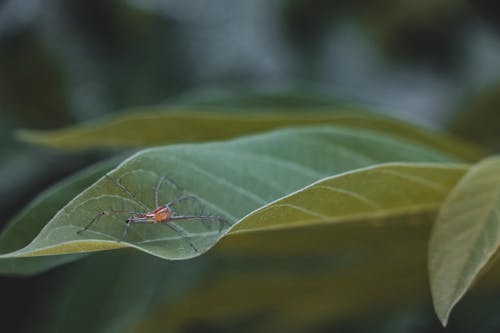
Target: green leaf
[
  {"x": 466, "y": 235},
  {"x": 235, "y": 178},
  {"x": 372, "y": 193},
  {"x": 160, "y": 126}
]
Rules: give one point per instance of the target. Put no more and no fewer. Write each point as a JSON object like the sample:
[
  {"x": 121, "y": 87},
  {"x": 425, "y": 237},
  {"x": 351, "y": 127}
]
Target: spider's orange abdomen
[{"x": 161, "y": 214}]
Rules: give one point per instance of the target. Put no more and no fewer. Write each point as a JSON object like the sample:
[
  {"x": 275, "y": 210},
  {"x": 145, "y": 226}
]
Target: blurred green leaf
[
  {"x": 234, "y": 178},
  {"x": 160, "y": 126},
  {"x": 343, "y": 271},
  {"x": 466, "y": 235},
  {"x": 124, "y": 284},
  {"x": 357, "y": 270},
  {"x": 29, "y": 98}
]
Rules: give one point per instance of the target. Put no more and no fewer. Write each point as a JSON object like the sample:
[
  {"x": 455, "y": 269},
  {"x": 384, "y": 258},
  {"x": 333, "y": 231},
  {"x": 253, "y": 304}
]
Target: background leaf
[
  {"x": 466, "y": 235},
  {"x": 224, "y": 293},
  {"x": 160, "y": 126}
]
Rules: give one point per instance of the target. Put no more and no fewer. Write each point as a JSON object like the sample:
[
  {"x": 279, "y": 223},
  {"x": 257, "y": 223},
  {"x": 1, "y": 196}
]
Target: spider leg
[
  {"x": 222, "y": 221},
  {"x": 101, "y": 214},
  {"x": 180, "y": 199},
  {"x": 125, "y": 231},
  {"x": 183, "y": 197},
  {"x": 200, "y": 214},
  {"x": 173, "y": 183},
  {"x": 157, "y": 190},
  {"x": 126, "y": 191},
  {"x": 183, "y": 234}
]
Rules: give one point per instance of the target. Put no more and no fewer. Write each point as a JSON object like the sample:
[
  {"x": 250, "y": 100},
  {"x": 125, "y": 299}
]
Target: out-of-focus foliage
[
  {"x": 157, "y": 126},
  {"x": 479, "y": 118},
  {"x": 410, "y": 31},
  {"x": 232, "y": 179},
  {"x": 466, "y": 236},
  {"x": 64, "y": 62},
  {"x": 30, "y": 98}
]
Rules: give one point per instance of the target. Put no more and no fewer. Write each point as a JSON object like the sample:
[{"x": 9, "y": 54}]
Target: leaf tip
[
  {"x": 444, "y": 319},
  {"x": 443, "y": 313}
]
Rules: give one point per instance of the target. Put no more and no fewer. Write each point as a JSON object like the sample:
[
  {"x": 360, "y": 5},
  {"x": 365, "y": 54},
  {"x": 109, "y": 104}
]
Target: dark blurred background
[
  {"x": 434, "y": 63},
  {"x": 63, "y": 62}
]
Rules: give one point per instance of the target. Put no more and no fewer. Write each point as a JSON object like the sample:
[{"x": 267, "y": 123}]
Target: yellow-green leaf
[
  {"x": 161, "y": 126},
  {"x": 466, "y": 235}
]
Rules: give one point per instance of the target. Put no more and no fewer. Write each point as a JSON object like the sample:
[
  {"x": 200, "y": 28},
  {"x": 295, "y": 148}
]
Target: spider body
[{"x": 162, "y": 214}]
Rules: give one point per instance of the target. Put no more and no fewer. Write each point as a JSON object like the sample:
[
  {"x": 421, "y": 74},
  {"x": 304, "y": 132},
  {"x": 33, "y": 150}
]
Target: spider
[{"x": 162, "y": 214}]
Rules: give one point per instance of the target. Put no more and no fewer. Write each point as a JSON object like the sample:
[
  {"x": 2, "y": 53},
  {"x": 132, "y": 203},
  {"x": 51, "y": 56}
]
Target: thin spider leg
[
  {"x": 157, "y": 190},
  {"x": 125, "y": 231},
  {"x": 190, "y": 217},
  {"x": 200, "y": 217},
  {"x": 181, "y": 198},
  {"x": 205, "y": 218},
  {"x": 103, "y": 213},
  {"x": 173, "y": 183},
  {"x": 206, "y": 223},
  {"x": 130, "y": 194},
  {"x": 90, "y": 223},
  {"x": 183, "y": 235},
  {"x": 179, "y": 190}
]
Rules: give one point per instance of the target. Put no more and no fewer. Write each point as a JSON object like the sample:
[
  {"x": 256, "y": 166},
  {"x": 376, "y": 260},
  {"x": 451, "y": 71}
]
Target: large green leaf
[
  {"x": 234, "y": 178},
  {"x": 160, "y": 126},
  {"x": 466, "y": 235}
]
